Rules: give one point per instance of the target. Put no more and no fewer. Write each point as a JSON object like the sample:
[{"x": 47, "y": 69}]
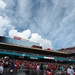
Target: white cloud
[
  {"x": 23, "y": 35},
  {"x": 35, "y": 37},
  {"x": 46, "y": 43},
  {"x": 2, "y": 4},
  {"x": 4, "y": 24},
  {"x": 4, "y": 21},
  {"x": 12, "y": 33},
  {"x": 2, "y": 31}
]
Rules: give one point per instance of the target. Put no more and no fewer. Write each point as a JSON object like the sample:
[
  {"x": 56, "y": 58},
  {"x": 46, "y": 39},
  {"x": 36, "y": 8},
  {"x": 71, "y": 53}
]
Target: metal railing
[{"x": 31, "y": 72}]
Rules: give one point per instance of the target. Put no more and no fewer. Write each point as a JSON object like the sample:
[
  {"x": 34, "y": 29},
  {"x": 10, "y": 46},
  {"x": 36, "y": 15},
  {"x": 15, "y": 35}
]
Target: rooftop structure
[
  {"x": 13, "y": 47},
  {"x": 69, "y": 50},
  {"x": 17, "y": 41}
]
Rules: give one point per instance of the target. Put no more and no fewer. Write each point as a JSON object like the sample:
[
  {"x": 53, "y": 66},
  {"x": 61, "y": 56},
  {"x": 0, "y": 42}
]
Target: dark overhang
[{"x": 30, "y": 50}]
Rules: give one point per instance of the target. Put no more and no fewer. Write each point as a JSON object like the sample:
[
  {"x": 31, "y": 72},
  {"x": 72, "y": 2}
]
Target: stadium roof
[
  {"x": 70, "y": 48},
  {"x": 30, "y": 50}
]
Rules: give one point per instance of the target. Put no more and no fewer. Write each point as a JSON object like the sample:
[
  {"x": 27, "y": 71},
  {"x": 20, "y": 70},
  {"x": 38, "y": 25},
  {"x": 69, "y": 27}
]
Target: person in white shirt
[
  {"x": 70, "y": 70},
  {"x": 38, "y": 69},
  {"x": 1, "y": 68}
]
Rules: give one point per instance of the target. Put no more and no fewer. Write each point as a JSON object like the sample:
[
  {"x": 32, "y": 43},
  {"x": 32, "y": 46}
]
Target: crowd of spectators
[{"x": 47, "y": 67}]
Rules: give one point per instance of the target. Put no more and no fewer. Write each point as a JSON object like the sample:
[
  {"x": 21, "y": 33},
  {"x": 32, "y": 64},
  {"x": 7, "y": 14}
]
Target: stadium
[{"x": 20, "y": 50}]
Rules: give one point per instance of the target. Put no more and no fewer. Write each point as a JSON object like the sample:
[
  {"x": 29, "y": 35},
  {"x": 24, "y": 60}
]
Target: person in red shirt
[
  {"x": 34, "y": 66},
  {"x": 50, "y": 66},
  {"x": 74, "y": 73},
  {"x": 17, "y": 65},
  {"x": 49, "y": 72}
]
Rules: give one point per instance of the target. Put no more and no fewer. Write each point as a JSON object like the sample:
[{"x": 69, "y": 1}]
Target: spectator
[
  {"x": 38, "y": 69},
  {"x": 1, "y": 68},
  {"x": 70, "y": 70},
  {"x": 49, "y": 72},
  {"x": 12, "y": 64},
  {"x": 41, "y": 67}
]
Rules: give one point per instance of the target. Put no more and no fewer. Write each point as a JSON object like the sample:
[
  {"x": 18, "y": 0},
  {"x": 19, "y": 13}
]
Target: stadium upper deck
[
  {"x": 70, "y": 50},
  {"x": 23, "y": 47}
]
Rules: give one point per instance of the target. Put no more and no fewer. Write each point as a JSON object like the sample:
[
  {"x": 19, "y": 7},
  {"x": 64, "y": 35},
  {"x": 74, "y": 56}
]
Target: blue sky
[{"x": 48, "y": 22}]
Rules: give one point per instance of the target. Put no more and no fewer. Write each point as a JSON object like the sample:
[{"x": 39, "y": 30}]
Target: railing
[{"x": 31, "y": 72}]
